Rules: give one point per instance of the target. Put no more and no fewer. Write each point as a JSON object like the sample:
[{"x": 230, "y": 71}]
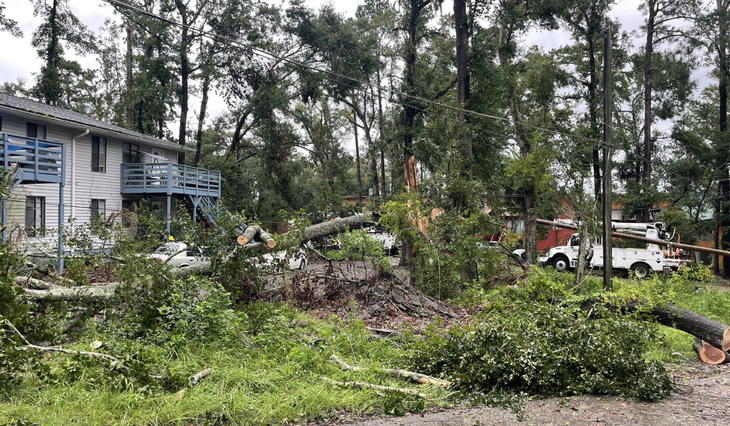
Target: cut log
[
  {"x": 708, "y": 353},
  {"x": 268, "y": 240},
  {"x": 726, "y": 340},
  {"x": 248, "y": 235}
]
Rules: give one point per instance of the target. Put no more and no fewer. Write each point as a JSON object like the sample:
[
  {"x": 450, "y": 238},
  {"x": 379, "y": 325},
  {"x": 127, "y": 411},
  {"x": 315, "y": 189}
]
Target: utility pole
[{"x": 607, "y": 141}]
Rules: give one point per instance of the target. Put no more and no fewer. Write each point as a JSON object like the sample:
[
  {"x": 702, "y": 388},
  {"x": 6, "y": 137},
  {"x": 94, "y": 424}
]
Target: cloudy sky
[{"x": 20, "y": 60}]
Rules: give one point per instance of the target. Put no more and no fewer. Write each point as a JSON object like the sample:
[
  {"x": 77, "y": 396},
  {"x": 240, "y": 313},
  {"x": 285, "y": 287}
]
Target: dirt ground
[
  {"x": 701, "y": 392},
  {"x": 701, "y": 397}
]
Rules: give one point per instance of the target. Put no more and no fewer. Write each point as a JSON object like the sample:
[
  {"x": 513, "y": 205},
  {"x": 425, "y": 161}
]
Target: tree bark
[
  {"x": 201, "y": 118},
  {"x": 129, "y": 74},
  {"x": 646, "y": 171},
  {"x": 722, "y": 11},
  {"x": 357, "y": 159},
  {"x": 706, "y": 329},
  {"x": 461, "y": 22},
  {"x": 184, "y": 76},
  {"x": 100, "y": 292},
  {"x": 254, "y": 231},
  {"x": 335, "y": 227},
  {"x": 582, "y": 253},
  {"x": 381, "y": 142}
]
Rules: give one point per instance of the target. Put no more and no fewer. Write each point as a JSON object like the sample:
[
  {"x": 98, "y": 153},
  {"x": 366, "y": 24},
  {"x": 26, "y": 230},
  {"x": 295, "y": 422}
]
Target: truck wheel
[
  {"x": 641, "y": 270},
  {"x": 560, "y": 263}
]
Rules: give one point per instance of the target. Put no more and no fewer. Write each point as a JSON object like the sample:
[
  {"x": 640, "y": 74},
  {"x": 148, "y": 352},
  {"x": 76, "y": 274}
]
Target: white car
[
  {"x": 298, "y": 260},
  {"x": 182, "y": 257}
]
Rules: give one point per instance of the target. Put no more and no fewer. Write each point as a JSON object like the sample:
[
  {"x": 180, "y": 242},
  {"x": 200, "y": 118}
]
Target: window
[
  {"x": 98, "y": 209},
  {"x": 98, "y": 154},
  {"x": 35, "y": 215},
  {"x": 37, "y": 131},
  {"x": 130, "y": 153}
]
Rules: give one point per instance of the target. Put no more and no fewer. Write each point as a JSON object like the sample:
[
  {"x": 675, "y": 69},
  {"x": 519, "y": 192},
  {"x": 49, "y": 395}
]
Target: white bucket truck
[{"x": 642, "y": 261}]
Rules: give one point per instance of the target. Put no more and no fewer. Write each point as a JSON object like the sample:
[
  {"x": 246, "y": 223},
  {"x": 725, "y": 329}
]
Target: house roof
[{"x": 45, "y": 112}]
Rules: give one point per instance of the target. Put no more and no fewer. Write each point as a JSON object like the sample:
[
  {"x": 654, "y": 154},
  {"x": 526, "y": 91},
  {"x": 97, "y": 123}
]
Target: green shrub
[
  {"x": 173, "y": 312},
  {"x": 545, "y": 350},
  {"x": 696, "y": 272}
]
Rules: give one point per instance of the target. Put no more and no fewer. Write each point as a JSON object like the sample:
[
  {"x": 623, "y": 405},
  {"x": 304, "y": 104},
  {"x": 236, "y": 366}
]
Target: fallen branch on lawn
[
  {"x": 320, "y": 254},
  {"x": 365, "y": 385},
  {"x": 116, "y": 362},
  {"x": 196, "y": 378},
  {"x": 384, "y": 332},
  {"x": 396, "y": 372}
]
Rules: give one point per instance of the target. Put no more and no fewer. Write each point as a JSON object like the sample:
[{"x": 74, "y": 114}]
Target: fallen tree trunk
[
  {"x": 708, "y": 353},
  {"x": 52, "y": 292},
  {"x": 706, "y": 329},
  {"x": 97, "y": 292},
  {"x": 335, "y": 227}
]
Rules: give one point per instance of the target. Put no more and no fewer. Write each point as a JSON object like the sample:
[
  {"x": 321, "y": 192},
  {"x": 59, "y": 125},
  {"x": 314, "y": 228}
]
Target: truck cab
[{"x": 564, "y": 258}]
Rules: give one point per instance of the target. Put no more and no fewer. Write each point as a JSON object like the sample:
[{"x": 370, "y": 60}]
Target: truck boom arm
[{"x": 643, "y": 239}]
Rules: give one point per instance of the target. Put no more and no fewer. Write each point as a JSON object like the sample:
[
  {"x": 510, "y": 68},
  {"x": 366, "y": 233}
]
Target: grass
[
  {"x": 269, "y": 371},
  {"x": 709, "y": 299},
  {"x": 271, "y": 377}
]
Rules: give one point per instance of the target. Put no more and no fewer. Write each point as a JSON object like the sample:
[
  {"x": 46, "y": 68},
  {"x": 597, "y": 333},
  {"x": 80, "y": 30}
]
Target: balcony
[
  {"x": 33, "y": 160},
  {"x": 170, "y": 179}
]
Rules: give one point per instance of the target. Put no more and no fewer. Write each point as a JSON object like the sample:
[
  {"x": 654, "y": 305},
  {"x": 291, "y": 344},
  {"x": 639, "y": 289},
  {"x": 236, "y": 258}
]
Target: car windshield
[{"x": 167, "y": 248}]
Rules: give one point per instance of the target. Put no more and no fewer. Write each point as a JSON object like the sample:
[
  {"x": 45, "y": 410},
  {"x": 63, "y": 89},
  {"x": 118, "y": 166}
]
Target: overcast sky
[{"x": 20, "y": 60}]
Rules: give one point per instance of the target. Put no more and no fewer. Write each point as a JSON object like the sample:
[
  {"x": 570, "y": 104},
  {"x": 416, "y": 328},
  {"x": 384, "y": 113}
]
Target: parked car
[
  {"x": 182, "y": 256},
  {"x": 298, "y": 260}
]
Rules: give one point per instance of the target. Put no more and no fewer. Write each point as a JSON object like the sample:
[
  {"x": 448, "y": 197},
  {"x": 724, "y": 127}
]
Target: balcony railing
[
  {"x": 169, "y": 178},
  {"x": 33, "y": 160}
]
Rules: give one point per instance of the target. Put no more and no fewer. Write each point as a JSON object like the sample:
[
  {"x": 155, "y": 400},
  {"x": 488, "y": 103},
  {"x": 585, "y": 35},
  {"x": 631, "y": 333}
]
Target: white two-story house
[{"x": 65, "y": 167}]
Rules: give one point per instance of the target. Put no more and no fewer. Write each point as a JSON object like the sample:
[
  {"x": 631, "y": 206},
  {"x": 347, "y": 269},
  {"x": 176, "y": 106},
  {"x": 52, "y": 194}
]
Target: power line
[{"x": 335, "y": 76}]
